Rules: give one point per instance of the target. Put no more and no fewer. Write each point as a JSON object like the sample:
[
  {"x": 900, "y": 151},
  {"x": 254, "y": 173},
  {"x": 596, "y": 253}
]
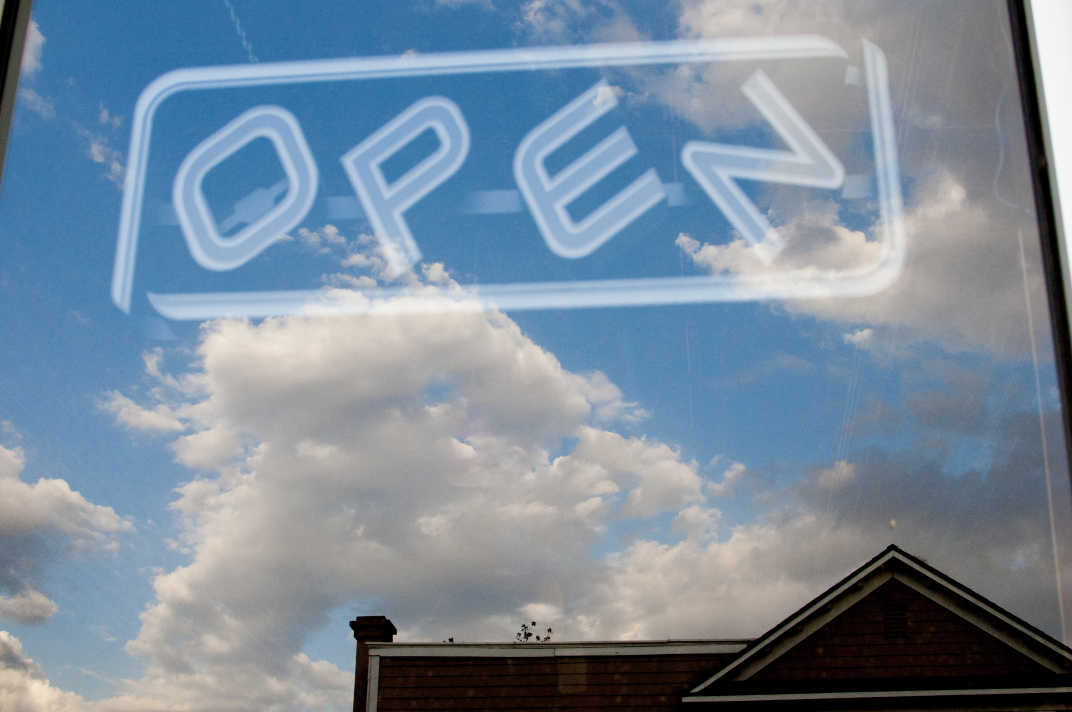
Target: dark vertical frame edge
[
  {"x": 1049, "y": 233},
  {"x": 14, "y": 20}
]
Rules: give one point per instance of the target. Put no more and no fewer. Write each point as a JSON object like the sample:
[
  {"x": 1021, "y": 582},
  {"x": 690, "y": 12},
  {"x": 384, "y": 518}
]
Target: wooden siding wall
[
  {"x": 861, "y": 643},
  {"x": 566, "y": 684}
]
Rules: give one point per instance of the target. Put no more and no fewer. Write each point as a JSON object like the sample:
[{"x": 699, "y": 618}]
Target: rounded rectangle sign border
[{"x": 790, "y": 284}]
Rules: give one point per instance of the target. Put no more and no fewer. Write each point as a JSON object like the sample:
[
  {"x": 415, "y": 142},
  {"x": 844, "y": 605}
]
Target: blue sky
[{"x": 195, "y": 504}]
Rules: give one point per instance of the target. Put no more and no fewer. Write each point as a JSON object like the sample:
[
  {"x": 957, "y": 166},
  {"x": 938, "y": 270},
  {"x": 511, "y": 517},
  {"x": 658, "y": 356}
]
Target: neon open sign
[{"x": 718, "y": 169}]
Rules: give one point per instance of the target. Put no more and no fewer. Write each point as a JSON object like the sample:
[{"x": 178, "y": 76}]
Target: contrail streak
[{"x": 241, "y": 33}]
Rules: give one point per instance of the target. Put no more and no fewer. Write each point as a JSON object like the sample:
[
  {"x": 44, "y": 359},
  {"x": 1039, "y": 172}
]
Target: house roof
[
  {"x": 646, "y": 678},
  {"x": 567, "y": 649},
  {"x": 889, "y": 632},
  {"x": 895, "y": 564}
]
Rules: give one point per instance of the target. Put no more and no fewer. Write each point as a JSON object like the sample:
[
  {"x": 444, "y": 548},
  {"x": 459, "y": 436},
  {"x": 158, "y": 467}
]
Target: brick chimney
[{"x": 368, "y": 629}]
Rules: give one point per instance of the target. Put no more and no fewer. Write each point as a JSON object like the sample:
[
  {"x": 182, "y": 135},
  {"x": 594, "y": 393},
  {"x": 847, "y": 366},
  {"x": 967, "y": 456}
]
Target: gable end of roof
[{"x": 894, "y": 563}]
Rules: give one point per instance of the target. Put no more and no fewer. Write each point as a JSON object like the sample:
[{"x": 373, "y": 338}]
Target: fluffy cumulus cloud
[
  {"x": 23, "y": 685},
  {"x": 985, "y": 527},
  {"x": 836, "y": 476},
  {"x": 734, "y": 472},
  {"x": 28, "y": 606},
  {"x": 973, "y": 259},
  {"x": 324, "y": 239},
  {"x": 373, "y": 460},
  {"x": 816, "y": 242},
  {"x": 446, "y": 470},
  {"x": 963, "y": 286},
  {"x": 709, "y": 97},
  {"x": 937, "y": 99},
  {"x": 971, "y": 265},
  {"x": 37, "y": 522},
  {"x": 720, "y": 587}
]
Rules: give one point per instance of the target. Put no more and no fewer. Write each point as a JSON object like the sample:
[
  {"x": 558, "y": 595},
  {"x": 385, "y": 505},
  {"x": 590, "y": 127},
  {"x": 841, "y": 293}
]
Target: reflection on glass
[{"x": 823, "y": 329}]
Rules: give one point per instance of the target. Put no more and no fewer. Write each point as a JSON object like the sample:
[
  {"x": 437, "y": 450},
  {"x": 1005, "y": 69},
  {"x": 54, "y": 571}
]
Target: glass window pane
[{"x": 629, "y": 320}]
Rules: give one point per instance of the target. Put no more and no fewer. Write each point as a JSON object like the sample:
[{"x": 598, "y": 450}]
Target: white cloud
[
  {"x": 697, "y": 522},
  {"x": 734, "y": 472},
  {"x": 986, "y": 529},
  {"x": 660, "y": 481},
  {"x": 31, "y": 52},
  {"x": 12, "y": 657},
  {"x": 837, "y": 476},
  {"x": 363, "y": 259},
  {"x": 357, "y": 259},
  {"x": 455, "y": 4},
  {"x": 435, "y": 273},
  {"x": 450, "y": 467},
  {"x": 815, "y": 240},
  {"x": 860, "y": 337},
  {"x": 726, "y": 588},
  {"x": 100, "y": 150},
  {"x": 576, "y": 21},
  {"x": 609, "y": 402},
  {"x": 36, "y": 103},
  {"x": 324, "y": 238},
  {"x": 28, "y": 606},
  {"x": 438, "y": 452},
  {"x": 207, "y": 449},
  {"x": 107, "y": 118},
  {"x": 962, "y": 285},
  {"x": 50, "y": 504},
  {"x": 23, "y": 685},
  {"x": 569, "y": 20},
  {"x": 12, "y": 461},
  {"x": 342, "y": 280},
  {"x": 158, "y": 419},
  {"x": 544, "y": 614},
  {"x": 543, "y": 16},
  {"x": 708, "y": 96},
  {"x": 153, "y": 359},
  {"x": 34, "y": 519}
]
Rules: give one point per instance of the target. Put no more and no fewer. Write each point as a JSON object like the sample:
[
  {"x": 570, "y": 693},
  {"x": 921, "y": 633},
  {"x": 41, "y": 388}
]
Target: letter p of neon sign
[{"x": 383, "y": 203}]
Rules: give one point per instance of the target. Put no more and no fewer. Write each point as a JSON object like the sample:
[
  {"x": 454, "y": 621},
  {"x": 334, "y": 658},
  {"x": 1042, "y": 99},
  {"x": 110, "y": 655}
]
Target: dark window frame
[{"x": 14, "y": 20}]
